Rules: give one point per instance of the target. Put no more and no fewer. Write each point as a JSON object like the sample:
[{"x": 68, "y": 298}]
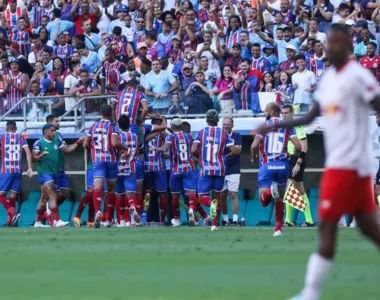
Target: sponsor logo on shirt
[{"x": 276, "y": 167}]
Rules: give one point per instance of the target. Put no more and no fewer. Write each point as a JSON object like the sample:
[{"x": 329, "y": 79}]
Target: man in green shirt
[
  {"x": 297, "y": 166},
  {"x": 46, "y": 152}
]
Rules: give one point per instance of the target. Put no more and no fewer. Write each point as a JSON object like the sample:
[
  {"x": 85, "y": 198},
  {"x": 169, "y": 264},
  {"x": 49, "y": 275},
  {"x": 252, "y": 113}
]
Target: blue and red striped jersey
[
  {"x": 274, "y": 143},
  {"x": 128, "y": 103},
  {"x": 154, "y": 160},
  {"x": 14, "y": 95},
  {"x": 11, "y": 152},
  {"x": 127, "y": 158},
  {"x": 12, "y": 18},
  {"x": 261, "y": 64},
  {"x": 101, "y": 146},
  {"x": 213, "y": 141},
  {"x": 180, "y": 152}
]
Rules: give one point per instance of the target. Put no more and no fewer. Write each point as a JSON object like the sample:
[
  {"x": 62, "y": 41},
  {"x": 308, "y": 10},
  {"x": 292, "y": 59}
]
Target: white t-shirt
[
  {"x": 344, "y": 98},
  {"x": 104, "y": 22},
  {"x": 336, "y": 18},
  {"x": 70, "y": 81},
  {"x": 304, "y": 80},
  {"x": 212, "y": 62}
]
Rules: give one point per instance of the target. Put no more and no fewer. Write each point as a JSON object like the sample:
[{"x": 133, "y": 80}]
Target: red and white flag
[{"x": 294, "y": 198}]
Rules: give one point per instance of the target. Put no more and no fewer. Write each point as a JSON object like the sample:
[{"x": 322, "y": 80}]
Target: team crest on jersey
[{"x": 55, "y": 147}]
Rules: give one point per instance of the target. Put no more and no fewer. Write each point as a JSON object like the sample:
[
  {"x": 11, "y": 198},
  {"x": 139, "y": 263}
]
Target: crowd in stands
[{"x": 184, "y": 55}]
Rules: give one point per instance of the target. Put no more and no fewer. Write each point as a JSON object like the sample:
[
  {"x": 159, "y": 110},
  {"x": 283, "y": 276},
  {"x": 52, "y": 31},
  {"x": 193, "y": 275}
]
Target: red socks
[
  {"x": 55, "y": 214},
  {"x": 201, "y": 211},
  {"x": 12, "y": 202},
  {"x": 279, "y": 211},
  {"x": 266, "y": 198},
  {"x": 175, "y": 206},
  {"x": 40, "y": 215},
  {"x": 7, "y": 205},
  {"x": 193, "y": 201},
  {"x": 97, "y": 199},
  {"x": 205, "y": 200},
  {"x": 119, "y": 203},
  {"x": 110, "y": 203},
  {"x": 60, "y": 200},
  {"x": 163, "y": 208},
  {"x": 139, "y": 203},
  {"x": 91, "y": 211},
  {"x": 132, "y": 202},
  {"x": 83, "y": 202},
  {"x": 216, "y": 220}
]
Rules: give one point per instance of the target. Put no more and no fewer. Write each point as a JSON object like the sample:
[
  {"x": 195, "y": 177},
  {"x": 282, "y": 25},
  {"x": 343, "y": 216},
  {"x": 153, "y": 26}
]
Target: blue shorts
[
  {"x": 89, "y": 179},
  {"x": 139, "y": 169},
  {"x": 208, "y": 183},
  {"x": 126, "y": 184},
  {"x": 106, "y": 170},
  {"x": 184, "y": 181},
  {"x": 274, "y": 171},
  {"x": 45, "y": 178},
  {"x": 157, "y": 180},
  {"x": 62, "y": 181},
  {"x": 10, "y": 182}
]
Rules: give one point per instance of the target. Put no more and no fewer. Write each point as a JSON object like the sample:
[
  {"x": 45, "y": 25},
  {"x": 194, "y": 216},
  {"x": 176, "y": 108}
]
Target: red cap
[
  {"x": 15, "y": 45},
  {"x": 12, "y": 1}
]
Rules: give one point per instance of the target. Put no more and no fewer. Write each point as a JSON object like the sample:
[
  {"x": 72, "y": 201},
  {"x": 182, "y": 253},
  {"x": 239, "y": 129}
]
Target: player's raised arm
[{"x": 70, "y": 148}]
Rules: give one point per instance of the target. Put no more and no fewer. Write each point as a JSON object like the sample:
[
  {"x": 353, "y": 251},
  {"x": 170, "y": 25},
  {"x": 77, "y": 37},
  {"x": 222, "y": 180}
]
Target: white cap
[
  {"x": 291, "y": 47},
  {"x": 350, "y": 22}
]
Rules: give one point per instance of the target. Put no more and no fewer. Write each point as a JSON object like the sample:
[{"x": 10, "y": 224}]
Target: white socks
[
  {"x": 225, "y": 218},
  {"x": 235, "y": 218},
  {"x": 316, "y": 273}
]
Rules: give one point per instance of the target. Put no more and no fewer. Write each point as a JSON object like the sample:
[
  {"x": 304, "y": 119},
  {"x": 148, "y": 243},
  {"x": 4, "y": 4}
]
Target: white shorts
[{"x": 231, "y": 182}]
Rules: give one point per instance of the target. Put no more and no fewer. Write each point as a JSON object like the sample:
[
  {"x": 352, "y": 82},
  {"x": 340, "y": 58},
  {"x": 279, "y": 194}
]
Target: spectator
[
  {"x": 343, "y": 14},
  {"x": 175, "y": 107},
  {"x": 113, "y": 73},
  {"x": 315, "y": 33},
  {"x": 268, "y": 84},
  {"x": 53, "y": 88},
  {"x": 175, "y": 53},
  {"x": 151, "y": 43},
  {"x": 21, "y": 36},
  {"x": 139, "y": 35},
  {"x": 65, "y": 8},
  {"x": 208, "y": 49},
  {"x": 63, "y": 50},
  {"x": 372, "y": 61},
  {"x": 4, "y": 65},
  {"x": 223, "y": 88},
  {"x": 361, "y": 48},
  {"x": 15, "y": 86},
  {"x": 85, "y": 15},
  {"x": 103, "y": 46},
  {"x": 36, "y": 50},
  {"x": 284, "y": 90},
  {"x": 39, "y": 74},
  {"x": 36, "y": 108},
  {"x": 232, "y": 57},
  {"x": 164, "y": 41},
  {"x": 270, "y": 56},
  {"x": 76, "y": 57},
  {"x": 142, "y": 50},
  {"x": 89, "y": 58},
  {"x": 158, "y": 86},
  {"x": 315, "y": 63},
  {"x": 46, "y": 60},
  {"x": 211, "y": 75},
  {"x": 289, "y": 65},
  {"x": 197, "y": 95},
  {"x": 46, "y": 10},
  {"x": 13, "y": 13},
  {"x": 259, "y": 62},
  {"x": 87, "y": 87},
  {"x": 24, "y": 66},
  {"x": 59, "y": 71},
  {"x": 323, "y": 11},
  {"x": 118, "y": 42},
  {"x": 188, "y": 76},
  {"x": 44, "y": 34},
  {"x": 304, "y": 83},
  {"x": 70, "y": 82},
  {"x": 57, "y": 26},
  {"x": 91, "y": 40},
  {"x": 246, "y": 87},
  {"x": 106, "y": 8}
]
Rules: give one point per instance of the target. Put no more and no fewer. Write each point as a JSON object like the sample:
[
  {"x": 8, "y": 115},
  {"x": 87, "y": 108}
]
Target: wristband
[
  {"x": 77, "y": 142},
  {"x": 40, "y": 156},
  {"x": 302, "y": 155}
]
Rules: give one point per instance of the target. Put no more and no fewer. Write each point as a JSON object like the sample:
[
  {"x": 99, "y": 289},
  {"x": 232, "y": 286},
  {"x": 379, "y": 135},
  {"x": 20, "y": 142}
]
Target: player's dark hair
[
  {"x": 300, "y": 56},
  {"x": 275, "y": 107},
  {"x": 11, "y": 125},
  {"x": 315, "y": 42},
  {"x": 150, "y": 35},
  {"x": 81, "y": 46},
  {"x": 247, "y": 60},
  {"x": 21, "y": 18},
  {"x": 339, "y": 28},
  {"x": 132, "y": 83},
  {"x": 106, "y": 111},
  {"x": 73, "y": 65},
  {"x": 373, "y": 44},
  {"x": 288, "y": 106},
  {"x": 116, "y": 30},
  {"x": 343, "y": 6},
  {"x": 256, "y": 45},
  {"x": 186, "y": 127},
  {"x": 124, "y": 122},
  {"x": 57, "y": 13},
  {"x": 156, "y": 121},
  {"x": 50, "y": 118}
]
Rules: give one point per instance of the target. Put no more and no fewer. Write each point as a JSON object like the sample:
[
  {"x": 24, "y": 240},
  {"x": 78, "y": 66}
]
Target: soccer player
[
  {"x": 232, "y": 178},
  {"x": 131, "y": 102},
  {"x": 297, "y": 167},
  {"x": 346, "y": 186},
  {"x": 183, "y": 175},
  {"x": 154, "y": 169},
  {"x": 46, "y": 152},
  {"x": 128, "y": 143},
  {"x": 212, "y": 142},
  {"x": 100, "y": 137},
  {"x": 273, "y": 172},
  {"x": 11, "y": 145}
]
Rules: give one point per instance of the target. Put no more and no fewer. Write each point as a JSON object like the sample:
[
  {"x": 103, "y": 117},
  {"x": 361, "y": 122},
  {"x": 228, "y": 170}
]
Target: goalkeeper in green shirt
[{"x": 297, "y": 166}]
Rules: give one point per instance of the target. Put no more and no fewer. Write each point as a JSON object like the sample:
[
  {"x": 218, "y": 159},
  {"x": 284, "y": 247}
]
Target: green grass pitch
[{"x": 177, "y": 264}]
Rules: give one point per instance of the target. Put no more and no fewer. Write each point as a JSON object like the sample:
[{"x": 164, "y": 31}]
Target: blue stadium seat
[{"x": 28, "y": 209}]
